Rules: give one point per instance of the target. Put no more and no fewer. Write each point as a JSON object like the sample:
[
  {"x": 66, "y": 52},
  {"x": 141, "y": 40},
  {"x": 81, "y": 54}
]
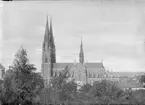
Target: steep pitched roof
[
  {"x": 88, "y": 65},
  {"x": 127, "y": 74},
  {"x": 94, "y": 65},
  {"x": 1, "y": 66},
  {"x": 63, "y": 65}
]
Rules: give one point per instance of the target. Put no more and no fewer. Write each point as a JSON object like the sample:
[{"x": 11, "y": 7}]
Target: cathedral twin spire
[
  {"x": 49, "y": 40},
  {"x": 49, "y": 54}
]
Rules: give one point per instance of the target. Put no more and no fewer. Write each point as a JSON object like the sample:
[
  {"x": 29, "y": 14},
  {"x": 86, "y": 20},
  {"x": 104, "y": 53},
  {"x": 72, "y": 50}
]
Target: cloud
[
  {"x": 123, "y": 64},
  {"x": 1, "y": 33},
  {"x": 108, "y": 30},
  {"x": 39, "y": 50}
]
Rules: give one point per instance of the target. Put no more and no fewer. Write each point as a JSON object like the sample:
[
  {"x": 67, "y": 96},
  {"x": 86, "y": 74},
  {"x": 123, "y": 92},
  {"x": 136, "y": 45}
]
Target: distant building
[
  {"x": 79, "y": 71},
  {"x": 2, "y": 71}
]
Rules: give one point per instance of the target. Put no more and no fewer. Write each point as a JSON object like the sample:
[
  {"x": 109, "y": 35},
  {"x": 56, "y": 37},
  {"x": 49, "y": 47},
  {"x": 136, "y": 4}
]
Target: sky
[{"x": 112, "y": 31}]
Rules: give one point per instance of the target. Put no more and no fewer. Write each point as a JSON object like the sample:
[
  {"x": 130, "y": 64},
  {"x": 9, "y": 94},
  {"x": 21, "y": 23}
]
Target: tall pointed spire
[
  {"x": 81, "y": 49},
  {"x": 81, "y": 55},
  {"x": 46, "y": 37},
  {"x": 51, "y": 34},
  {"x": 52, "y": 45},
  {"x": 48, "y": 54}
]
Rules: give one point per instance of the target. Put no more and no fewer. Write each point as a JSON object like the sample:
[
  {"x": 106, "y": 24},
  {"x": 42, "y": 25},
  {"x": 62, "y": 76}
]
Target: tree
[
  {"x": 86, "y": 88},
  {"x": 142, "y": 79},
  {"x": 84, "y": 94},
  {"x": 22, "y": 84},
  {"x": 1, "y": 91},
  {"x": 52, "y": 93},
  {"x": 62, "y": 90},
  {"x": 106, "y": 92}
]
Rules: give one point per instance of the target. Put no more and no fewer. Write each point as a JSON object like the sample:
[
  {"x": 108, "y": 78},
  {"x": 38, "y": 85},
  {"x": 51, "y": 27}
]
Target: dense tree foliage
[
  {"x": 142, "y": 79},
  {"x": 21, "y": 84},
  {"x": 104, "y": 92},
  {"x": 60, "y": 90}
]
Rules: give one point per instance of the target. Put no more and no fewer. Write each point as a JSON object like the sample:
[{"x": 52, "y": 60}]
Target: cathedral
[{"x": 81, "y": 71}]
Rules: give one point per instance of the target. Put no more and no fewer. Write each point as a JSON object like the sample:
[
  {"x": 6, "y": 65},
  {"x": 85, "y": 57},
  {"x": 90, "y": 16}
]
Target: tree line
[{"x": 22, "y": 85}]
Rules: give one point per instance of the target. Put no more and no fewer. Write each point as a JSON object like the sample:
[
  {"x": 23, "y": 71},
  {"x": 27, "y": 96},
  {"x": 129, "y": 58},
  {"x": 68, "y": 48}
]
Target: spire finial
[
  {"x": 50, "y": 18},
  {"x": 47, "y": 16},
  {"x": 81, "y": 42},
  {"x": 81, "y": 45},
  {"x": 50, "y": 21},
  {"x": 81, "y": 55},
  {"x": 47, "y": 19}
]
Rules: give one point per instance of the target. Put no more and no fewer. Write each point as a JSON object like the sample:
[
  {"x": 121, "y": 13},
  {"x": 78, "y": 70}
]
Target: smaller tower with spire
[{"x": 81, "y": 54}]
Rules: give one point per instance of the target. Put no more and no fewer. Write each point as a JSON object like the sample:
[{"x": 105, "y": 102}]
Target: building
[
  {"x": 2, "y": 71},
  {"x": 81, "y": 71}
]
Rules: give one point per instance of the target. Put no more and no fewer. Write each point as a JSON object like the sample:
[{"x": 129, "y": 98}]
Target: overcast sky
[{"x": 112, "y": 31}]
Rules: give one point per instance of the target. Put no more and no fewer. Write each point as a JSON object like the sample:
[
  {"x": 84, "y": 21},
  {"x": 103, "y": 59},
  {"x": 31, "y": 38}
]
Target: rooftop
[
  {"x": 88, "y": 65},
  {"x": 126, "y": 74},
  {"x": 2, "y": 67}
]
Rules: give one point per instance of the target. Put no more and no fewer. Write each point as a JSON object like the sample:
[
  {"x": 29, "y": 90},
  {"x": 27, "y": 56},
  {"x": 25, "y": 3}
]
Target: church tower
[
  {"x": 53, "y": 54},
  {"x": 81, "y": 54},
  {"x": 48, "y": 52}
]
